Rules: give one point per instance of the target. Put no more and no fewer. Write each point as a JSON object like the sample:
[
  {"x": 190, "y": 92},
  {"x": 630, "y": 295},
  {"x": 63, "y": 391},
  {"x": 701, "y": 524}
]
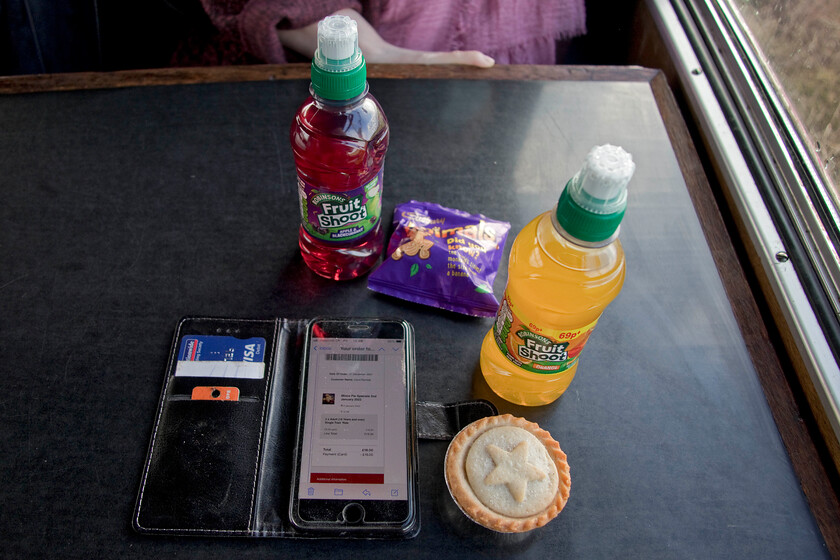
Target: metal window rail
[{"x": 779, "y": 192}]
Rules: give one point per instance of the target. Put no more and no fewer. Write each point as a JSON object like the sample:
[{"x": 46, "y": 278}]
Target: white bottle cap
[
  {"x": 338, "y": 44},
  {"x": 601, "y": 184}
]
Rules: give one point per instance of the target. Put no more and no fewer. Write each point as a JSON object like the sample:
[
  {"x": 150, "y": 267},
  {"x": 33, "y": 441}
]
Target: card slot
[
  {"x": 244, "y": 390},
  {"x": 242, "y": 399},
  {"x": 203, "y": 467}
]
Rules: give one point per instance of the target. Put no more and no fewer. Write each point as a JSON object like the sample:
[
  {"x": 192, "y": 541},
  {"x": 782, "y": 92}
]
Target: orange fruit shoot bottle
[{"x": 565, "y": 267}]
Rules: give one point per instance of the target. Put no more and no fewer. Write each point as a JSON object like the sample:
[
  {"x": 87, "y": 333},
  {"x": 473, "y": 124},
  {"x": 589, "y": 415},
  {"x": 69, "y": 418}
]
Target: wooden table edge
[{"x": 33, "y": 83}]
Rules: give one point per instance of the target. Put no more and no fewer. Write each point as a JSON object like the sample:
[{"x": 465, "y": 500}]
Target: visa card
[{"x": 221, "y": 357}]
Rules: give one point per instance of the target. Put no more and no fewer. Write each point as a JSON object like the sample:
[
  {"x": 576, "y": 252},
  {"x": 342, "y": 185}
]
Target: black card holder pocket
[{"x": 202, "y": 473}]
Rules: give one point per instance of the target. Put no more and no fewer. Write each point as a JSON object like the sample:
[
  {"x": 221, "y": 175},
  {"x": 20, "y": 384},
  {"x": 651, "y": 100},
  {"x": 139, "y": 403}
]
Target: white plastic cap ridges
[
  {"x": 338, "y": 37},
  {"x": 606, "y": 172}
]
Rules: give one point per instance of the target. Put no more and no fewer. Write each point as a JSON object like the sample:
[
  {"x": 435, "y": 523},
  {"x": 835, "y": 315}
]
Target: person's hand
[
  {"x": 376, "y": 49},
  {"x": 397, "y": 55}
]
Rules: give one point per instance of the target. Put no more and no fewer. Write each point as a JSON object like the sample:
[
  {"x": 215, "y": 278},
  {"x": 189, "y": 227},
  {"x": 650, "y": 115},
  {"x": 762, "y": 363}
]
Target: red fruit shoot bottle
[{"x": 339, "y": 138}]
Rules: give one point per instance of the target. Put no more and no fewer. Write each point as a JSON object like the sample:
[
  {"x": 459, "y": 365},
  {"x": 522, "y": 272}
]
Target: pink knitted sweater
[{"x": 511, "y": 31}]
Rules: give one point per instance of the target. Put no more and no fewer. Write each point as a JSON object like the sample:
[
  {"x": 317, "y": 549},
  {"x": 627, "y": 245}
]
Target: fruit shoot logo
[
  {"x": 337, "y": 211},
  {"x": 538, "y": 348}
]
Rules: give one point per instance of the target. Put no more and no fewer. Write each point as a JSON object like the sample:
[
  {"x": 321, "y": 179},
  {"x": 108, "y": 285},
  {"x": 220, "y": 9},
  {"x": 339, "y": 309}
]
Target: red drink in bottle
[{"x": 339, "y": 138}]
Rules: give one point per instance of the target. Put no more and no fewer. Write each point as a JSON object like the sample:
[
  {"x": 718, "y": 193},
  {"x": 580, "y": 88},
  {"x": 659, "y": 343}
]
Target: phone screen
[{"x": 353, "y": 444}]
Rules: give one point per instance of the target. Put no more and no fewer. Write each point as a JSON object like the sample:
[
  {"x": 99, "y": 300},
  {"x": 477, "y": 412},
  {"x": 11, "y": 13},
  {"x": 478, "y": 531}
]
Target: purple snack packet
[{"x": 442, "y": 257}]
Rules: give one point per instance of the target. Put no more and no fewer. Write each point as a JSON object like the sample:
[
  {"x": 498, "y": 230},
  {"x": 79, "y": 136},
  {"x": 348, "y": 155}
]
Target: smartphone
[{"x": 356, "y": 453}]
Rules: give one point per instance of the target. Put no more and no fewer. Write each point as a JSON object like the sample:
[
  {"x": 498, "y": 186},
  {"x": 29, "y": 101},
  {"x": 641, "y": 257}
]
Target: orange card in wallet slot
[{"x": 215, "y": 394}]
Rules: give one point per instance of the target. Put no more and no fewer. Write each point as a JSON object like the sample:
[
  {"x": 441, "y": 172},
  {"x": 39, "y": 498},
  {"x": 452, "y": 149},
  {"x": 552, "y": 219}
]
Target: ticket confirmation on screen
[{"x": 355, "y": 415}]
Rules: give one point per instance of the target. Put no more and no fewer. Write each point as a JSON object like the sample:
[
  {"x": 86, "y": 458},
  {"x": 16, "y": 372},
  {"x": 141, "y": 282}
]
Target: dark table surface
[{"x": 127, "y": 208}]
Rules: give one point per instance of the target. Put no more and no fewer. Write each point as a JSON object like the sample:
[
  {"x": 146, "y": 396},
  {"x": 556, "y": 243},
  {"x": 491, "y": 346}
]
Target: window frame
[{"x": 774, "y": 185}]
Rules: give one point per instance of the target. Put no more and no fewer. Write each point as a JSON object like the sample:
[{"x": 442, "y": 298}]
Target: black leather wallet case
[{"x": 220, "y": 457}]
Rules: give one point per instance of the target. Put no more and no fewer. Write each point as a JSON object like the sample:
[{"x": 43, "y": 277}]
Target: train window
[
  {"x": 799, "y": 40},
  {"x": 762, "y": 82}
]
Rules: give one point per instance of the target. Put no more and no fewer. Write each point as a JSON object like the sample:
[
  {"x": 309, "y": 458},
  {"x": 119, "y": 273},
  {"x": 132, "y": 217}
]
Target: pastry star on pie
[
  {"x": 507, "y": 474},
  {"x": 513, "y": 469}
]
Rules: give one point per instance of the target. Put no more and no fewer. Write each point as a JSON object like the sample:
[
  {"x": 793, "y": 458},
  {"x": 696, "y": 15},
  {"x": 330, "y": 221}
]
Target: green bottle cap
[
  {"x": 338, "y": 67},
  {"x": 592, "y": 205}
]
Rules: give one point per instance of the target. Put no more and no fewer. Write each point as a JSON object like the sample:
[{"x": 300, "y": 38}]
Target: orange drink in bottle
[{"x": 565, "y": 267}]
